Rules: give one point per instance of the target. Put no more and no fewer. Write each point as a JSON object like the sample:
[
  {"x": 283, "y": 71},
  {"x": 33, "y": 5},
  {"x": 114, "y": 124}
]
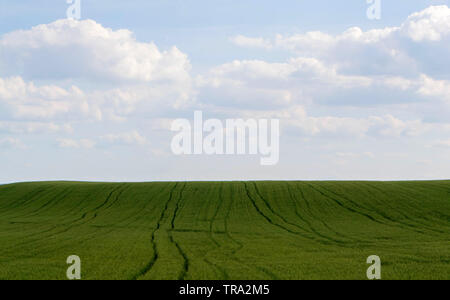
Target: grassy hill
[{"x": 235, "y": 230}]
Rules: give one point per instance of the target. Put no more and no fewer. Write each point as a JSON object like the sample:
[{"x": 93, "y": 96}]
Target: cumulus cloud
[
  {"x": 403, "y": 50},
  {"x": 434, "y": 88},
  {"x": 377, "y": 126},
  {"x": 126, "y": 138},
  {"x": 352, "y": 155},
  {"x": 442, "y": 144},
  {"x": 10, "y": 142},
  {"x": 394, "y": 71},
  {"x": 431, "y": 24},
  {"x": 263, "y": 85},
  {"x": 76, "y": 144},
  {"x": 138, "y": 81},
  {"x": 297, "y": 121},
  {"x": 130, "y": 77},
  {"x": 243, "y": 41},
  {"x": 26, "y": 101},
  {"x": 148, "y": 101},
  {"x": 35, "y": 105},
  {"x": 17, "y": 127},
  {"x": 86, "y": 49}
]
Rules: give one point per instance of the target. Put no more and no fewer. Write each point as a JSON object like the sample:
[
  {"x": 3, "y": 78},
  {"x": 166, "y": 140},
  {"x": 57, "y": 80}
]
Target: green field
[{"x": 233, "y": 230}]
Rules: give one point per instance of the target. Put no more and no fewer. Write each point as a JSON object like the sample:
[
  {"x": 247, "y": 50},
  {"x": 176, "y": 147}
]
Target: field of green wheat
[{"x": 225, "y": 230}]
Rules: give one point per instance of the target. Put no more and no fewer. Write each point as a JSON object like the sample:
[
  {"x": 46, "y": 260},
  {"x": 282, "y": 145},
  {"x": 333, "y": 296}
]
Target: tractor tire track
[
  {"x": 51, "y": 229},
  {"x": 110, "y": 204},
  {"x": 345, "y": 207},
  {"x": 114, "y": 228},
  {"x": 155, "y": 257},
  {"x": 211, "y": 235},
  {"x": 310, "y": 211},
  {"x": 406, "y": 194},
  {"x": 70, "y": 224},
  {"x": 27, "y": 198},
  {"x": 240, "y": 245},
  {"x": 185, "y": 268},
  {"x": 53, "y": 200},
  {"x": 319, "y": 239},
  {"x": 419, "y": 216},
  {"x": 218, "y": 269},
  {"x": 312, "y": 229},
  {"x": 269, "y": 206},
  {"x": 227, "y": 231},
  {"x": 269, "y": 220},
  {"x": 35, "y": 212},
  {"x": 396, "y": 223},
  {"x": 216, "y": 212},
  {"x": 390, "y": 221}
]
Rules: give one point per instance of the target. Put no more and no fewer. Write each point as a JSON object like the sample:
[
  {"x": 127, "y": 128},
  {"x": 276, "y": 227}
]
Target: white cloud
[
  {"x": 86, "y": 49},
  {"x": 37, "y": 104},
  {"x": 126, "y": 138},
  {"x": 434, "y": 88},
  {"x": 378, "y": 126},
  {"x": 18, "y": 127},
  {"x": 10, "y": 142},
  {"x": 297, "y": 121},
  {"x": 353, "y": 155},
  {"x": 442, "y": 144},
  {"x": 262, "y": 85},
  {"x": 244, "y": 41},
  {"x": 388, "y": 69},
  {"x": 399, "y": 50},
  {"x": 25, "y": 101},
  {"x": 431, "y": 24},
  {"x": 148, "y": 101},
  {"x": 77, "y": 144},
  {"x": 125, "y": 76},
  {"x": 325, "y": 90}
]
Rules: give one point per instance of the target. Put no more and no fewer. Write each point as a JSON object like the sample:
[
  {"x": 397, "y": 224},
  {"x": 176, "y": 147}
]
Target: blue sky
[{"x": 356, "y": 98}]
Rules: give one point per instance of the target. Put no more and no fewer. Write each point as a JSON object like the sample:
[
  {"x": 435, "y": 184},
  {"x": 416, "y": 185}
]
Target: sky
[{"x": 357, "y": 98}]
